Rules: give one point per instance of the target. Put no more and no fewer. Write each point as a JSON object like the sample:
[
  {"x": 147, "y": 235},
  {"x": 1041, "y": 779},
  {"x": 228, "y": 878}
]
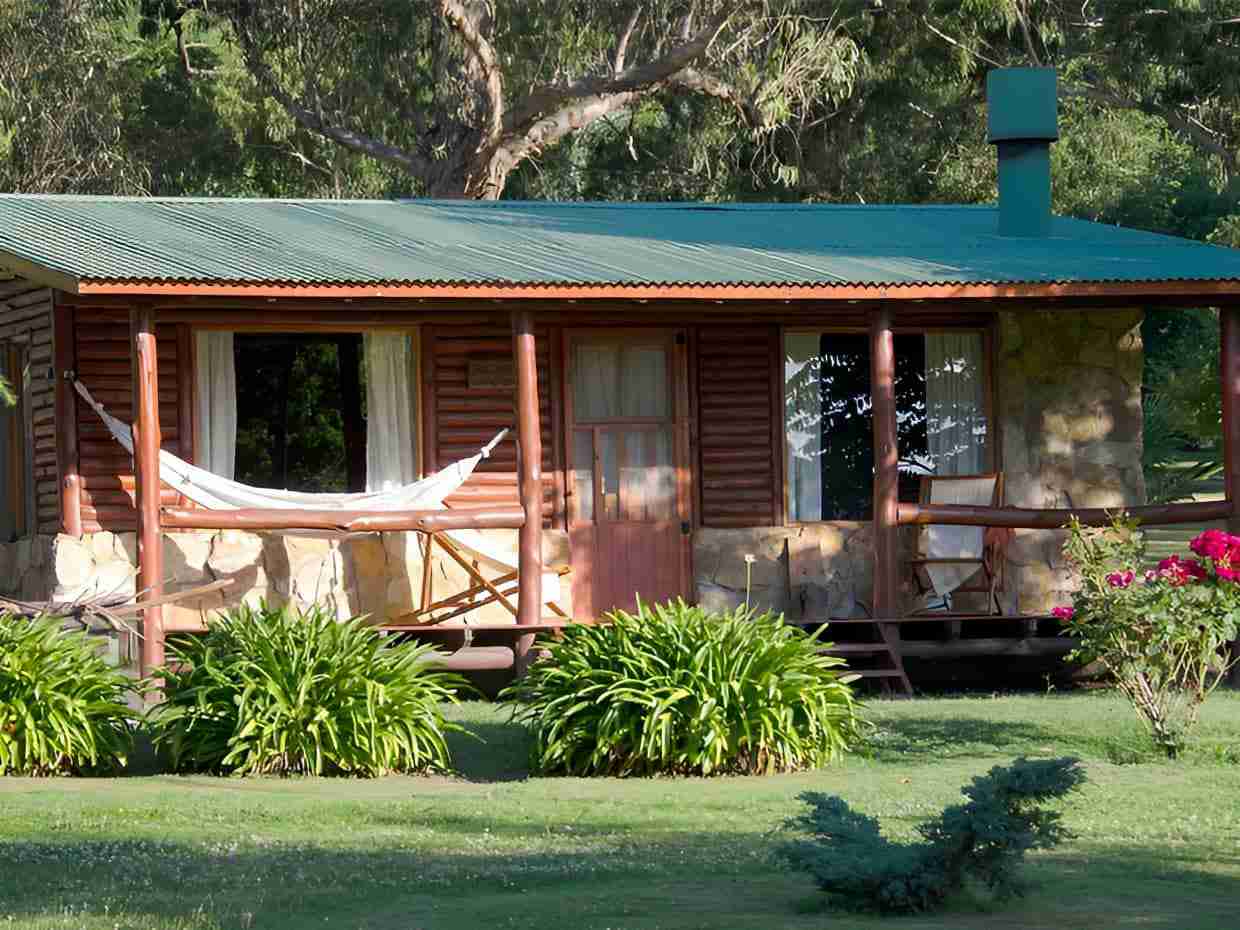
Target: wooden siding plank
[{"x": 737, "y": 394}]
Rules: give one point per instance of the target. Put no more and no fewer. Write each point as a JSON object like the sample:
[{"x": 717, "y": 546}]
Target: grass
[{"x": 1158, "y": 844}]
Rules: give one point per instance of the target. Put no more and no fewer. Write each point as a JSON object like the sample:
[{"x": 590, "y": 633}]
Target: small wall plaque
[{"x": 491, "y": 373}]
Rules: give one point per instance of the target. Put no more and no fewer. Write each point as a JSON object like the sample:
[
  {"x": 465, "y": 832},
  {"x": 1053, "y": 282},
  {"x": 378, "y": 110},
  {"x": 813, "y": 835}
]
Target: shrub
[
  {"x": 62, "y": 708},
  {"x": 673, "y": 689},
  {"x": 1161, "y": 633},
  {"x": 984, "y": 839},
  {"x": 275, "y": 691}
]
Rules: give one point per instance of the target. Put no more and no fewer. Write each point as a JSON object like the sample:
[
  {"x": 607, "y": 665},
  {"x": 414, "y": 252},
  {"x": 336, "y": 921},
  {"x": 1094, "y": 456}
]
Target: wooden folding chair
[
  {"x": 482, "y": 591},
  {"x": 937, "y": 489}
]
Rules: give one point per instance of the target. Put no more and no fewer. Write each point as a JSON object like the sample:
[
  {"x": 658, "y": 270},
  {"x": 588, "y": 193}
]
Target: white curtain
[
  {"x": 391, "y": 437},
  {"x": 216, "y": 421},
  {"x": 612, "y": 380},
  {"x": 803, "y": 426},
  {"x": 955, "y": 403}
]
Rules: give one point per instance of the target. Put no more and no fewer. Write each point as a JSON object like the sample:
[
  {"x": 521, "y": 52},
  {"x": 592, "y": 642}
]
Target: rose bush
[{"x": 1162, "y": 632}]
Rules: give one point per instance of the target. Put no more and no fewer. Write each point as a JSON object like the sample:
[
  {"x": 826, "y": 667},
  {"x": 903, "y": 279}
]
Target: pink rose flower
[
  {"x": 1121, "y": 579},
  {"x": 1213, "y": 544},
  {"x": 1177, "y": 571},
  {"x": 1227, "y": 573},
  {"x": 1063, "y": 613}
]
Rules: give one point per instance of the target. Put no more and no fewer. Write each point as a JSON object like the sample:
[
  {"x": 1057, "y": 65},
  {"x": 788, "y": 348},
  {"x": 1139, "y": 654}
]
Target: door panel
[{"x": 628, "y": 507}]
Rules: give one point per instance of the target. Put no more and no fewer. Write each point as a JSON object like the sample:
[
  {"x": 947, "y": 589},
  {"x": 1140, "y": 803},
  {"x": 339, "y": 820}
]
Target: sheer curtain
[
  {"x": 391, "y": 437},
  {"x": 803, "y": 426},
  {"x": 216, "y": 421},
  {"x": 955, "y": 403}
]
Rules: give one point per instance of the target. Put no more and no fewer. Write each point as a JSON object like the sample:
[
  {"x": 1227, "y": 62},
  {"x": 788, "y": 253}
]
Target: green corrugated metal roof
[{"x": 461, "y": 242}]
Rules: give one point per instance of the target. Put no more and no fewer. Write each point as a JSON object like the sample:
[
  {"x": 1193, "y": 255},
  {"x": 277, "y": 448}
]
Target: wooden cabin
[{"x": 722, "y": 402}]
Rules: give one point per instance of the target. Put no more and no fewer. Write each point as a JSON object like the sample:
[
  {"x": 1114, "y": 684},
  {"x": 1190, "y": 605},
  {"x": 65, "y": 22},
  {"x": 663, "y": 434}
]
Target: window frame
[
  {"x": 21, "y": 482},
  {"x": 412, "y": 330},
  {"x": 993, "y": 446}
]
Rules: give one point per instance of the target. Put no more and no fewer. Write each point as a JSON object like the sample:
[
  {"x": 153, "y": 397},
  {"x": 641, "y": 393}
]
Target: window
[
  {"x": 16, "y": 445},
  {"x": 941, "y": 417},
  {"x": 307, "y": 411}
]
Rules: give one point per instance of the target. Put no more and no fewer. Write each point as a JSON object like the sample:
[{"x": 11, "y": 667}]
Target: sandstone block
[
  {"x": 103, "y": 545},
  {"x": 127, "y": 547},
  {"x": 185, "y": 556},
  {"x": 73, "y": 561},
  {"x": 233, "y": 552}
]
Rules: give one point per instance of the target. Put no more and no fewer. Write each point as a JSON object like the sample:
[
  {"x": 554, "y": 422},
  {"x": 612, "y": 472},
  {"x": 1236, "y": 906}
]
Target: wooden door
[{"x": 628, "y": 513}]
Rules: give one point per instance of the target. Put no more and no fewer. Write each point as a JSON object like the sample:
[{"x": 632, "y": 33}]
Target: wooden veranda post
[
  {"x": 886, "y": 466},
  {"x": 66, "y": 424},
  {"x": 1229, "y": 371},
  {"x": 529, "y": 472},
  {"x": 146, "y": 441}
]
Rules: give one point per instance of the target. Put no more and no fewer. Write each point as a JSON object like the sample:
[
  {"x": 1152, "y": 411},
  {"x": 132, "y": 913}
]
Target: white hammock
[{"x": 215, "y": 493}]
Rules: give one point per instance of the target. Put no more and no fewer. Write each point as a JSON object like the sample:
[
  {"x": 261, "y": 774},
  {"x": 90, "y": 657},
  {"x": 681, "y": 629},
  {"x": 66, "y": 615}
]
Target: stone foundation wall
[
  {"x": 1070, "y": 420},
  {"x": 840, "y": 583},
  {"x": 375, "y": 574}
]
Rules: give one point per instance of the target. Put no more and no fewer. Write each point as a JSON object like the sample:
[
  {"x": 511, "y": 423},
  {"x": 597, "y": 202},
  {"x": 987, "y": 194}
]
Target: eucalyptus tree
[
  {"x": 60, "y": 87},
  {"x": 458, "y": 93}
]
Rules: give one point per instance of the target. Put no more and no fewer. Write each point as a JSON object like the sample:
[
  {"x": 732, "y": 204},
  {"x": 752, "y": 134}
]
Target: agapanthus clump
[{"x": 1163, "y": 633}]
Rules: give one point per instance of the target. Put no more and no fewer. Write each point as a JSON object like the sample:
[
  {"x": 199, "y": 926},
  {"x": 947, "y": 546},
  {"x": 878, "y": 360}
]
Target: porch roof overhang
[{"x": 459, "y": 250}]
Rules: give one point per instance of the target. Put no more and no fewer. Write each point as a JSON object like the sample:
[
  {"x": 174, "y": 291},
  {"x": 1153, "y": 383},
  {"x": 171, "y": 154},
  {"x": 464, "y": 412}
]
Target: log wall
[
  {"x": 102, "y": 360},
  {"x": 460, "y": 416},
  {"x": 26, "y": 318}
]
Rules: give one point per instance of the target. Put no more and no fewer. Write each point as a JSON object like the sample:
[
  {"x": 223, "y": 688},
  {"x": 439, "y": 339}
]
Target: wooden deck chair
[
  {"x": 961, "y": 559},
  {"x": 493, "y": 579}
]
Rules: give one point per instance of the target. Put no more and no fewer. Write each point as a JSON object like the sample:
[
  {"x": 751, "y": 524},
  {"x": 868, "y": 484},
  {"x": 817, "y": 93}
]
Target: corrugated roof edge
[
  {"x": 455, "y": 283},
  {"x": 755, "y": 206}
]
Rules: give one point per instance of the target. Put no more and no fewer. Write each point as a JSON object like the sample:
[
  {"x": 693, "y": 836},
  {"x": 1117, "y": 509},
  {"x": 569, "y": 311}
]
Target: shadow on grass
[
  {"x": 684, "y": 880},
  {"x": 491, "y": 751},
  {"x": 925, "y": 738}
]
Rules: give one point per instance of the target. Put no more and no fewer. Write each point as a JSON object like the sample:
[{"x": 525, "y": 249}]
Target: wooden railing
[
  {"x": 344, "y": 521},
  {"x": 1025, "y": 518}
]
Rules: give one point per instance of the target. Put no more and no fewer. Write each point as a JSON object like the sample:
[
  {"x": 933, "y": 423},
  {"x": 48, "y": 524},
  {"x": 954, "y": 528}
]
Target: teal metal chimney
[{"x": 1022, "y": 125}]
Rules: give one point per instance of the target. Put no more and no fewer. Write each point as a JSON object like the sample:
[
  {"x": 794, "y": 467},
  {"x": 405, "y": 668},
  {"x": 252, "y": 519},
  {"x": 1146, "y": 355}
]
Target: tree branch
[
  {"x": 313, "y": 120},
  {"x": 622, "y": 46},
  {"x": 710, "y": 85},
  {"x": 585, "y": 90},
  {"x": 567, "y": 119},
  {"x": 1199, "y": 134},
  {"x": 485, "y": 60},
  {"x": 1023, "y": 19}
]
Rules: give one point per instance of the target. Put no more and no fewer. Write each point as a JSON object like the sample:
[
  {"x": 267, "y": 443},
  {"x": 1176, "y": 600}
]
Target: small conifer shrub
[{"x": 984, "y": 840}]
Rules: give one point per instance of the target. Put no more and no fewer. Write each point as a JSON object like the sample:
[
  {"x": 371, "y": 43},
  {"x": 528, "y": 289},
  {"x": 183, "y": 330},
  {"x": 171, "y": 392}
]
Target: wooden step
[
  {"x": 925, "y": 618},
  {"x": 856, "y": 649},
  {"x": 877, "y": 672}
]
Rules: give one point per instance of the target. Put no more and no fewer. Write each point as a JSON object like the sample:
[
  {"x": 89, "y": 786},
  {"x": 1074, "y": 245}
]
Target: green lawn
[{"x": 1158, "y": 845}]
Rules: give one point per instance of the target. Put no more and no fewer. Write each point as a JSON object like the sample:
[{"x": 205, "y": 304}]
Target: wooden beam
[
  {"x": 66, "y": 423},
  {"x": 1022, "y": 518},
  {"x": 529, "y": 472},
  {"x": 343, "y": 521},
  {"x": 146, "y": 474},
  {"x": 886, "y": 466}
]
